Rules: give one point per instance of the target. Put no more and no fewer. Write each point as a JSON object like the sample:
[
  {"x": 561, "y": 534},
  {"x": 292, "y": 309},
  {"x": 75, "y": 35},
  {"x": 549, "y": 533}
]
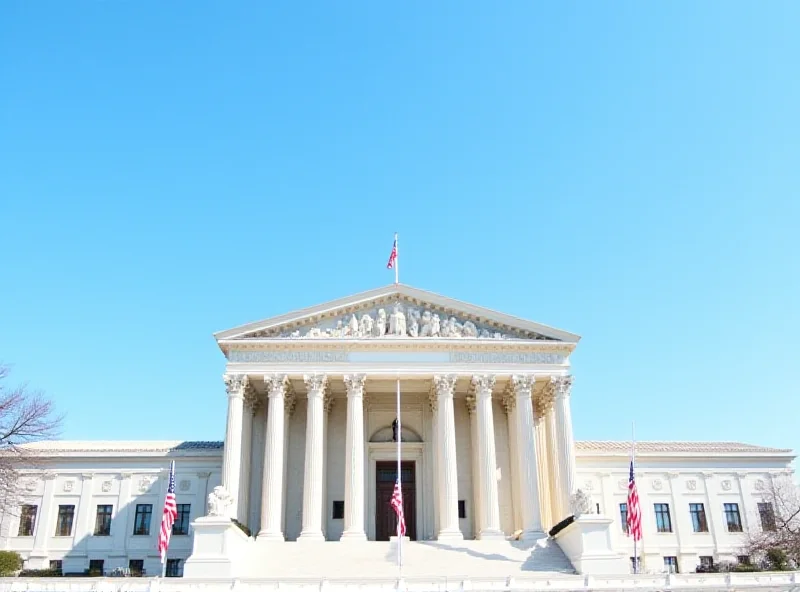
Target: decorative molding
[
  {"x": 185, "y": 485},
  {"x": 106, "y": 486},
  {"x": 562, "y": 385},
  {"x": 145, "y": 483},
  {"x": 315, "y": 383},
  {"x": 725, "y": 484},
  {"x": 622, "y": 484},
  {"x": 48, "y": 475},
  {"x": 523, "y": 384},
  {"x": 588, "y": 485},
  {"x": 759, "y": 485},
  {"x": 256, "y": 356},
  {"x": 354, "y": 383},
  {"x": 482, "y": 384},
  {"x": 276, "y": 385},
  {"x": 445, "y": 385},
  {"x": 658, "y": 484},
  {"x": 69, "y": 485},
  {"x": 691, "y": 484},
  {"x": 28, "y": 485}
]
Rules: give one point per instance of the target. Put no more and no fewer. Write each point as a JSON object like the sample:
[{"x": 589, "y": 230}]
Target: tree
[
  {"x": 26, "y": 415},
  {"x": 775, "y": 539}
]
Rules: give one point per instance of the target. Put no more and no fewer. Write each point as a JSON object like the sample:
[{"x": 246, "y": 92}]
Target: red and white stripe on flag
[
  {"x": 392, "y": 256},
  {"x": 397, "y": 505},
  {"x": 169, "y": 515},
  {"x": 634, "y": 512}
]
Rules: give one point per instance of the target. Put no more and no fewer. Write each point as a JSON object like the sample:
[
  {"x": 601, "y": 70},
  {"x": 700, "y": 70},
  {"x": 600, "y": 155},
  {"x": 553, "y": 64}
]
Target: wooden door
[{"x": 385, "y": 518}]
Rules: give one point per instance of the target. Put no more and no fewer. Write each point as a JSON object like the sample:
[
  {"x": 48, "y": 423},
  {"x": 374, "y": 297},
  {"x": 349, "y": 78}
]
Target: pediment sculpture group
[{"x": 399, "y": 323}]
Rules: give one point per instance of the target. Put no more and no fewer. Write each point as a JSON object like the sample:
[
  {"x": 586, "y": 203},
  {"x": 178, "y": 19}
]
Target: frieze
[{"x": 334, "y": 356}]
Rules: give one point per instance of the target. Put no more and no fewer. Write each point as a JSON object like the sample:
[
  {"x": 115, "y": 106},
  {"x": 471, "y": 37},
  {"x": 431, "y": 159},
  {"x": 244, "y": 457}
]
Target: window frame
[
  {"x": 699, "y": 519},
  {"x": 670, "y": 562},
  {"x": 65, "y": 511},
  {"x": 623, "y": 516},
  {"x": 662, "y": 511},
  {"x": 106, "y": 517},
  {"x": 184, "y": 516},
  {"x": 773, "y": 524},
  {"x": 731, "y": 510},
  {"x": 27, "y": 518},
  {"x": 173, "y": 568},
  {"x": 139, "y": 528}
]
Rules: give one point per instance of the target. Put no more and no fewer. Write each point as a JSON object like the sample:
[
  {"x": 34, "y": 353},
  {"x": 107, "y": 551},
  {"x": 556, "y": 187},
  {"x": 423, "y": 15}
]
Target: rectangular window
[
  {"x": 671, "y": 564},
  {"x": 732, "y": 518},
  {"x": 173, "y": 568},
  {"x": 743, "y": 559},
  {"x": 462, "y": 508},
  {"x": 767, "y": 514},
  {"x": 55, "y": 564},
  {"x": 623, "y": 516},
  {"x": 338, "y": 510},
  {"x": 635, "y": 564},
  {"x": 137, "y": 565},
  {"x": 27, "y": 520},
  {"x": 706, "y": 561},
  {"x": 663, "y": 521},
  {"x": 64, "y": 523},
  {"x": 698, "y": 513},
  {"x": 102, "y": 522},
  {"x": 96, "y": 567},
  {"x": 141, "y": 523},
  {"x": 181, "y": 525}
]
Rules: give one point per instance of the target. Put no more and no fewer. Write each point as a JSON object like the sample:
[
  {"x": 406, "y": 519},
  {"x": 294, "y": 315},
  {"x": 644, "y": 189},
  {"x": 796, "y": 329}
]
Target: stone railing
[{"x": 765, "y": 581}]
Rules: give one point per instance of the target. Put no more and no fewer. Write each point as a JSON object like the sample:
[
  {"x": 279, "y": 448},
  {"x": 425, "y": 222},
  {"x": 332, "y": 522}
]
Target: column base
[
  {"x": 311, "y": 537},
  {"x": 450, "y": 535},
  {"x": 491, "y": 534},
  {"x": 353, "y": 536},
  {"x": 270, "y": 536}
]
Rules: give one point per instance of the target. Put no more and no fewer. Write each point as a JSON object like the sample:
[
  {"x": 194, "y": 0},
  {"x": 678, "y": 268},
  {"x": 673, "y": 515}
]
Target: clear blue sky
[{"x": 627, "y": 171}]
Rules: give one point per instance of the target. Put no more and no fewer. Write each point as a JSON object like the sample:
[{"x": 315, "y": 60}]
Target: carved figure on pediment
[
  {"x": 470, "y": 330},
  {"x": 295, "y": 334},
  {"x": 452, "y": 328},
  {"x": 484, "y": 334},
  {"x": 218, "y": 501},
  {"x": 314, "y": 332},
  {"x": 413, "y": 322},
  {"x": 380, "y": 324},
  {"x": 397, "y": 322},
  {"x": 366, "y": 325},
  {"x": 352, "y": 329},
  {"x": 436, "y": 329},
  {"x": 425, "y": 322},
  {"x": 339, "y": 330}
]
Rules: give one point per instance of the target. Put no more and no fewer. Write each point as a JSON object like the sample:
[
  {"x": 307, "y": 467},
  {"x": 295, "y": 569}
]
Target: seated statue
[{"x": 218, "y": 501}]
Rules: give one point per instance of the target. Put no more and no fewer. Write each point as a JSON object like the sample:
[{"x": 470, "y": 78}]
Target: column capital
[
  {"x": 276, "y": 385},
  {"x": 562, "y": 385},
  {"x": 354, "y": 383},
  {"x": 315, "y": 383},
  {"x": 445, "y": 385},
  {"x": 523, "y": 384},
  {"x": 235, "y": 385},
  {"x": 483, "y": 384}
]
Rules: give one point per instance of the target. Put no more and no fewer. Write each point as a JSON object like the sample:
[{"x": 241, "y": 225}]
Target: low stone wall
[{"x": 763, "y": 582}]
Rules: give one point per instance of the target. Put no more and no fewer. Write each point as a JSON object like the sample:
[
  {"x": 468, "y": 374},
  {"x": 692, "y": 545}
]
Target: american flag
[
  {"x": 397, "y": 504},
  {"x": 169, "y": 515},
  {"x": 393, "y": 255},
  {"x": 634, "y": 513}
]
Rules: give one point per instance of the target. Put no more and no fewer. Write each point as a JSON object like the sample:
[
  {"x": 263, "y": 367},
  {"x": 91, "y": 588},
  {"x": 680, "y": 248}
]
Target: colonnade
[{"x": 541, "y": 444}]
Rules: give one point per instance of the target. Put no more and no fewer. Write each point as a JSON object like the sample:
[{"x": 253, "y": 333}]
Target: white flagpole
[
  {"x": 633, "y": 471},
  {"x": 399, "y": 481},
  {"x": 396, "y": 261}
]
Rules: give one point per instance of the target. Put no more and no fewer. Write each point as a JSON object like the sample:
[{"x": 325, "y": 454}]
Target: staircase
[{"x": 424, "y": 559}]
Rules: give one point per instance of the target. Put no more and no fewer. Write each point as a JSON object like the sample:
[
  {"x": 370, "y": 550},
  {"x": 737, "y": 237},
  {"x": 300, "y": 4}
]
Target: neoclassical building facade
[{"x": 489, "y": 463}]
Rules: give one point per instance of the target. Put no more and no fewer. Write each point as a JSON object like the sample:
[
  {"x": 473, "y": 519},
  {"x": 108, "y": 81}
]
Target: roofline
[{"x": 405, "y": 290}]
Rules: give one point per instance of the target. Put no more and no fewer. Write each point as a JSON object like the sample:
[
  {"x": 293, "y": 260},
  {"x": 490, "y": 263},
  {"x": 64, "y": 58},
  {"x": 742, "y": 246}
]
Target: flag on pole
[
  {"x": 634, "y": 513},
  {"x": 392, "y": 255},
  {"x": 397, "y": 504},
  {"x": 169, "y": 515}
]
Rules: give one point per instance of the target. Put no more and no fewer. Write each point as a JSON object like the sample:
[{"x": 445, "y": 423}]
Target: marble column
[
  {"x": 354, "y": 460},
  {"x": 526, "y": 465},
  {"x": 247, "y": 453},
  {"x": 566, "y": 446},
  {"x": 313, "y": 472},
  {"x": 509, "y": 404},
  {"x": 487, "y": 458},
  {"x": 477, "y": 518},
  {"x": 235, "y": 384},
  {"x": 557, "y": 512},
  {"x": 448, "y": 480},
  {"x": 542, "y": 468},
  {"x": 272, "y": 485},
  {"x": 327, "y": 405},
  {"x": 437, "y": 491}
]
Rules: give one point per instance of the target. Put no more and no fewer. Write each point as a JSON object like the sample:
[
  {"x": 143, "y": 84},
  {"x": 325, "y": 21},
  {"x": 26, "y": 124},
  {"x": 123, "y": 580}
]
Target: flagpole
[
  {"x": 396, "y": 262},
  {"x": 399, "y": 482},
  {"x": 633, "y": 471}
]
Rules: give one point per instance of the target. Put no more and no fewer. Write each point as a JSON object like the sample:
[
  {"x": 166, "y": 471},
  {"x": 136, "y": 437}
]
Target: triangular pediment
[{"x": 396, "y": 311}]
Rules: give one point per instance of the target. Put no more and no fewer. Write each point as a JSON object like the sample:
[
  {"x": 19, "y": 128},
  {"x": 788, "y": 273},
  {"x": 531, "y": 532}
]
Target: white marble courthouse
[{"x": 309, "y": 462}]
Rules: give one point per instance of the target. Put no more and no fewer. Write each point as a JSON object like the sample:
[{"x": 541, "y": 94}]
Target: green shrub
[
  {"x": 778, "y": 560},
  {"x": 40, "y": 573},
  {"x": 746, "y": 567},
  {"x": 10, "y": 562}
]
